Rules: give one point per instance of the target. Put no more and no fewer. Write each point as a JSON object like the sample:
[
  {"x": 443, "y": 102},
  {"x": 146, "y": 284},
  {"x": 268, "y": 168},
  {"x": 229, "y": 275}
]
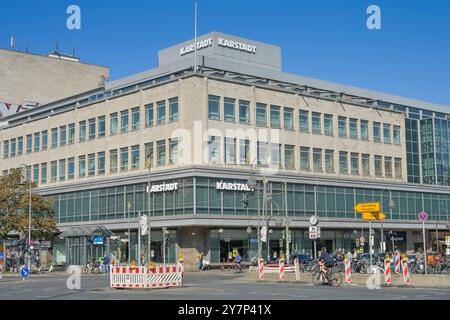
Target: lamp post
[
  {"x": 252, "y": 184},
  {"x": 24, "y": 166},
  {"x": 129, "y": 233},
  {"x": 149, "y": 251},
  {"x": 391, "y": 206}
]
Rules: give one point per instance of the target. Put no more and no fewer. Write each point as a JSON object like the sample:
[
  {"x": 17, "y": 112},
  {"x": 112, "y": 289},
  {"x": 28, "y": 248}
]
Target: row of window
[
  {"x": 309, "y": 122},
  {"x": 92, "y": 128},
  {"x": 322, "y": 160},
  {"x": 123, "y": 159}
]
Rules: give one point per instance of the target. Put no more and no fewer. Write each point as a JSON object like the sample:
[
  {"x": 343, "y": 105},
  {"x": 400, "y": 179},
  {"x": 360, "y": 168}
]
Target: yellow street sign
[
  {"x": 368, "y": 207},
  {"x": 373, "y": 216}
]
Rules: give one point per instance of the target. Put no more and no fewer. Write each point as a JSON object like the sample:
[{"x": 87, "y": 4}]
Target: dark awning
[{"x": 83, "y": 231}]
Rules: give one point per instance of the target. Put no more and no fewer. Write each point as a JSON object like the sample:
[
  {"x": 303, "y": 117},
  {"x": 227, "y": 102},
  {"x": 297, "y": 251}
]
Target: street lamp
[
  {"x": 391, "y": 206},
  {"x": 24, "y": 166},
  {"x": 129, "y": 233}
]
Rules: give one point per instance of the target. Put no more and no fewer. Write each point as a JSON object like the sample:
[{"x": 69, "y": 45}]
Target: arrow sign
[
  {"x": 373, "y": 216},
  {"x": 368, "y": 207}
]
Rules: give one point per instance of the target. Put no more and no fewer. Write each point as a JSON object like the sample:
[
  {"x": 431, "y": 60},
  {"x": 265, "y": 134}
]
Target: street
[{"x": 212, "y": 285}]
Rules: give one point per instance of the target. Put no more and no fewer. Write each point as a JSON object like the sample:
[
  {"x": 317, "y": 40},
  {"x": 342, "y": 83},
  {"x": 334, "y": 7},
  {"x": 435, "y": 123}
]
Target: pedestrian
[
  {"x": 106, "y": 264},
  {"x": 200, "y": 260},
  {"x": 142, "y": 260}
]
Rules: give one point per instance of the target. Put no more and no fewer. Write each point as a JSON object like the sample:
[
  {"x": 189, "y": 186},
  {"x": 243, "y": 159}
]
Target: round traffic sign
[
  {"x": 423, "y": 216},
  {"x": 314, "y": 220},
  {"x": 25, "y": 272}
]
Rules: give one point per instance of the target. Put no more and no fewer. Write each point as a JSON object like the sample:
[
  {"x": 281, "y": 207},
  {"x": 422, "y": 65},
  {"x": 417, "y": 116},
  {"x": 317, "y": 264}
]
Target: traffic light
[{"x": 245, "y": 201}]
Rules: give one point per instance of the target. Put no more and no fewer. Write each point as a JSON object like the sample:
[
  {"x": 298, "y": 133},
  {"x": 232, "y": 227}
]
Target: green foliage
[{"x": 14, "y": 202}]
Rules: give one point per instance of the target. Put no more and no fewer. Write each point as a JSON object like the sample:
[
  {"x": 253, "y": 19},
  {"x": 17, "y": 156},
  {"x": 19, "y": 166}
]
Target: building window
[
  {"x": 173, "y": 110},
  {"x": 317, "y": 160},
  {"x": 28, "y": 173},
  {"x": 316, "y": 129},
  {"x": 114, "y": 123},
  {"x": 62, "y": 136},
  {"x": 20, "y": 145},
  {"x": 62, "y": 170},
  {"x": 398, "y": 168},
  {"x": 101, "y": 126},
  {"x": 288, "y": 118},
  {"x": 388, "y": 167},
  {"x": 304, "y": 159},
  {"x": 364, "y": 125},
  {"x": 275, "y": 117},
  {"x": 135, "y": 118},
  {"x": 101, "y": 163},
  {"x": 54, "y": 171},
  {"x": 262, "y": 153},
  {"x": 173, "y": 151},
  {"x": 354, "y": 163},
  {"x": 82, "y": 166},
  {"x": 70, "y": 168},
  {"x": 113, "y": 161},
  {"x": 135, "y": 157},
  {"x": 43, "y": 173},
  {"x": 378, "y": 164},
  {"x": 92, "y": 132},
  {"x": 161, "y": 152},
  {"x": 213, "y": 149},
  {"x": 213, "y": 107},
  {"x": 396, "y": 134},
  {"x": 82, "y": 131},
  {"x": 228, "y": 109},
  {"x": 244, "y": 151},
  {"x": 261, "y": 115},
  {"x": 387, "y": 132},
  {"x": 230, "y": 150},
  {"x": 29, "y": 143},
  {"x": 13, "y": 147},
  {"x": 329, "y": 161},
  {"x": 149, "y": 115},
  {"x": 36, "y": 173},
  {"x": 328, "y": 124},
  {"x": 342, "y": 124},
  {"x": 149, "y": 155},
  {"x": 376, "y": 132},
  {"x": 6, "y": 149},
  {"x": 124, "y": 121},
  {"x": 275, "y": 155},
  {"x": 124, "y": 159},
  {"x": 71, "y": 133},
  {"x": 343, "y": 162},
  {"x": 244, "y": 111},
  {"x": 353, "y": 128},
  {"x": 91, "y": 164},
  {"x": 289, "y": 158},
  {"x": 365, "y": 160},
  {"x": 37, "y": 142},
  {"x": 304, "y": 121},
  {"x": 54, "y": 137},
  {"x": 161, "y": 112}
]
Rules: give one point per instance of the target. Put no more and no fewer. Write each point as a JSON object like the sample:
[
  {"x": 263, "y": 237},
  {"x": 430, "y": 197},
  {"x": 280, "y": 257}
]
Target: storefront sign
[
  {"x": 396, "y": 236},
  {"x": 98, "y": 240},
  {"x": 200, "y": 45},
  {"x": 236, "y": 45},
  {"x": 230, "y": 186},
  {"x": 163, "y": 187}
]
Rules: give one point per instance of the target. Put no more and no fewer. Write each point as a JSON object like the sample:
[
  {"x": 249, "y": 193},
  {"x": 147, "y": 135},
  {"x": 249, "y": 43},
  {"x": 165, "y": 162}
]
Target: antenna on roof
[
  {"x": 195, "y": 36},
  {"x": 13, "y": 42},
  {"x": 26, "y": 48},
  {"x": 73, "y": 52}
]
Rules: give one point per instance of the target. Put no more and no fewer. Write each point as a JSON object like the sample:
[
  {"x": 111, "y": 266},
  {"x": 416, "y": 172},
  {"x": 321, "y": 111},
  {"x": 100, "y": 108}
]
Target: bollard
[
  {"x": 260, "y": 270},
  {"x": 387, "y": 271},
  {"x": 348, "y": 270},
  {"x": 281, "y": 269}
]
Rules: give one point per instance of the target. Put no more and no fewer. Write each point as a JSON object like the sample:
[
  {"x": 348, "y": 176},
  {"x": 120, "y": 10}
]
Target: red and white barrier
[
  {"x": 260, "y": 270},
  {"x": 387, "y": 271},
  {"x": 397, "y": 261},
  {"x": 405, "y": 271},
  {"x": 161, "y": 276},
  {"x": 348, "y": 270},
  {"x": 281, "y": 270}
]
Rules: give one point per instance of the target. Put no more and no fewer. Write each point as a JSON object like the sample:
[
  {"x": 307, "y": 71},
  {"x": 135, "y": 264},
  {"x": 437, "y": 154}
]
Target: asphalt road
[{"x": 203, "y": 286}]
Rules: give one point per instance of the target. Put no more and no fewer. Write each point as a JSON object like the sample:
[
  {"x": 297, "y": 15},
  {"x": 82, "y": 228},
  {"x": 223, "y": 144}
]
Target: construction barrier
[
  {"x": 387, "y": 271},
  {"x": 297, "y": 270},
  {"x": 161, "y": 276},
  {"x": 281, "y": 270},
  {"x": 260, "y": 270},
  {"x": 405, "y": 272},
  {"x": 348, "y": 270},
  {"x": 397, "y": 261}
]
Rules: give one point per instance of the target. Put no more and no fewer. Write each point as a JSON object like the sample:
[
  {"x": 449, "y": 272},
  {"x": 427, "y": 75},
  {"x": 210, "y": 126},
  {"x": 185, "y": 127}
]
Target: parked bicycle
[{"x": 92, "y": 267}]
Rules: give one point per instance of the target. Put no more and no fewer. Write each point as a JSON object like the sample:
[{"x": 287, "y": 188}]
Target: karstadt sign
[{"x": 221, "y": 42}]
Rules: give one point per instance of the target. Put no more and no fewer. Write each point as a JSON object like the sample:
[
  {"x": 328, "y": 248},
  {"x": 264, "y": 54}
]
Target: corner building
[{"x": 321, "y": 147}]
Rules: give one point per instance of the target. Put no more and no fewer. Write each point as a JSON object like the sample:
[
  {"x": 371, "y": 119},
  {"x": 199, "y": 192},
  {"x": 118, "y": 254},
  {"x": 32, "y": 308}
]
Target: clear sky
[{"x": 326, "y": 39}]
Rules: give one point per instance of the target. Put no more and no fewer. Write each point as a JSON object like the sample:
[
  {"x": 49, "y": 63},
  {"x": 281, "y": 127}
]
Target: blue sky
[{"x": 327, "y": 39}]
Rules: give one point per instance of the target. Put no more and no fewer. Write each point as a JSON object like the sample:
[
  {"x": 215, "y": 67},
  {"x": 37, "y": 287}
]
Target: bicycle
[
  {"x": 237, "y": 268},
  {"x": 332, "y": 277}
]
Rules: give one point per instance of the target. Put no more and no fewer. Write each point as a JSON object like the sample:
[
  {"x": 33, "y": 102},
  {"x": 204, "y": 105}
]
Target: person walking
[
  {"x": 106, "y": 264},
  {"x": 142, "y": 261}
]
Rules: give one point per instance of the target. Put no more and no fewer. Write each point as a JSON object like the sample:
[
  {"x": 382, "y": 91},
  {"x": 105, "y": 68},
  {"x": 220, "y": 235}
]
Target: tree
[{"x": 14, "y": 202}]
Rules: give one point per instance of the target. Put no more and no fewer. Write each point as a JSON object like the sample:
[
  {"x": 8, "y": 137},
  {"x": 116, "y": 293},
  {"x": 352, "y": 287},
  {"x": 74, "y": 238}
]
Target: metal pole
[
  {"x": 29, "y": 224},
  {"x": 424, "y": 247},
  {"x": 315, "y": 250},
  {"x": 437, "y": 239},
  {"x": 268, "y": 241},
  {"x": 195, "y": 36},
  {"x": 164, "y": 245},
  {"x": 139, "y": 235},
  {"x": 287, "y": 220},
  {"x": 129, "y": 235},
  {"x": 149, "y": 258},
  {"x": 370, "y": 244}
]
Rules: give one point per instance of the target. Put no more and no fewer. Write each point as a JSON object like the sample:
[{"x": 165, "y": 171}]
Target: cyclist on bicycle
[{"x": 326, "y": 260}]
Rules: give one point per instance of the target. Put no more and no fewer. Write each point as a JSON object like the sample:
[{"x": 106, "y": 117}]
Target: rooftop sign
[{"x": 222, "y": 42}]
